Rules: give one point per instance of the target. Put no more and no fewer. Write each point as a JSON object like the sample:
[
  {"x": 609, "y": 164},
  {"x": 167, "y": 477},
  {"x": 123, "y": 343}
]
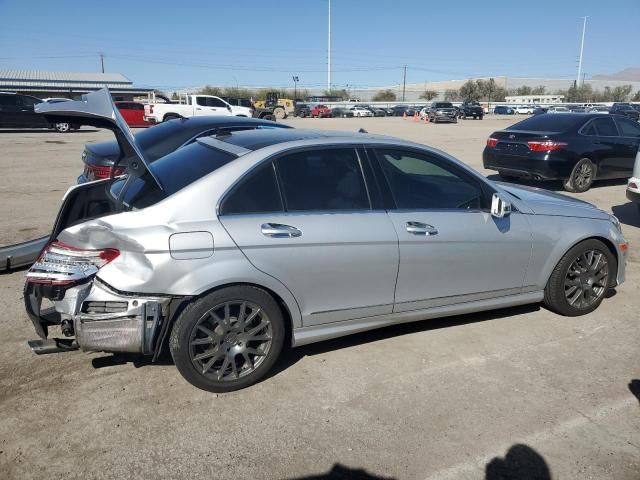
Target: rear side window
[
  {"x": 322, "y": 180},
  {"x": 606, "y": 127},
  {"x": 7, "y": 100},
  {"x": 256, "y": 193},
  {"x": 628, "y": 128},
  {"x": 589, "y": 129}
]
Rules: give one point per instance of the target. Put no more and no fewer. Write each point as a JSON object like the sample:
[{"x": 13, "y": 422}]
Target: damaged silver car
[{"x": 231, "y": 248}]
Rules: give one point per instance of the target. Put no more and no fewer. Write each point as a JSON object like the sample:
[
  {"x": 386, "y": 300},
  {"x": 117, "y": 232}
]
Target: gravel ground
[{"x": 470, "y": 397}]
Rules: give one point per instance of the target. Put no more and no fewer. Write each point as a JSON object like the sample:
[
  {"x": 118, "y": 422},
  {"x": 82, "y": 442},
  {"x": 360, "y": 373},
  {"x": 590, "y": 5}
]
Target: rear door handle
[
  {"x": 277, "y": 230},
  {"x": 418, "y": 228}
]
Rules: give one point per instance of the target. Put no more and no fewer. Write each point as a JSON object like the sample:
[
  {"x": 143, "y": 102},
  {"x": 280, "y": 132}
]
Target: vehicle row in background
[
  {"x": 576, "y": 148},
  {"x": 18, "y": 111}
]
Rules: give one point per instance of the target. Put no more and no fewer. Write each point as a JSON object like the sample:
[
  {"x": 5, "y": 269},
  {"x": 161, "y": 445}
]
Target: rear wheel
[
  {"x": 579, "y": 282},
  {"x": 228, "y": 339},
  {"x": 279, "y": 113},
  {"x": 581, "y": 177},
  {"x": 170, "y": 116}
]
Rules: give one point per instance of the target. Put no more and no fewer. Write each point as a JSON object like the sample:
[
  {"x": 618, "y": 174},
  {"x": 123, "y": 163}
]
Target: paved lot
[{"x": 467, "y": 397}]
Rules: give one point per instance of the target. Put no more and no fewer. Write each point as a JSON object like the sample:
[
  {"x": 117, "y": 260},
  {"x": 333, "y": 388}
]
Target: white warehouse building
[{"x": 534, "y": 99}]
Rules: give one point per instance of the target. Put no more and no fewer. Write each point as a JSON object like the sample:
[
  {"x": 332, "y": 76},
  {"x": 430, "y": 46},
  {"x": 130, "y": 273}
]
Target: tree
[
  {"x": 539, "y": 90},
  {"x": 429, "y": 95},
  {"x": 342, "y": 93},
  {"x": 209, "y": 90},
  {"x": 636, "y": 97},
  {"x": 451, "y": 95},
  {"x": 621, "y": 93},
  {"x": 384, "y": 96},
  {"x": 470, "y": 91}
]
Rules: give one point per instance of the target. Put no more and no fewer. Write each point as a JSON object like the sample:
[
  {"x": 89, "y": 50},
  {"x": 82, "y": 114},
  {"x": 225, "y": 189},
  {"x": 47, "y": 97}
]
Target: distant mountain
[{"x": 628, "y": 74}]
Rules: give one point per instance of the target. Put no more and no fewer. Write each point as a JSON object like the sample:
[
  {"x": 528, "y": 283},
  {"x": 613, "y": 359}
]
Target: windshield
[{"x": 174, "y": 171}]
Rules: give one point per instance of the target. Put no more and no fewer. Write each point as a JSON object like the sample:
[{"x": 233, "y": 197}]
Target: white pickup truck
[{"x": 192, "y": 105}]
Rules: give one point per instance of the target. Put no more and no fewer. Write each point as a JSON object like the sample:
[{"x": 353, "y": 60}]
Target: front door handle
[
  {"x": 418, "y": 228},
  {"x": 277, "y": 230}
]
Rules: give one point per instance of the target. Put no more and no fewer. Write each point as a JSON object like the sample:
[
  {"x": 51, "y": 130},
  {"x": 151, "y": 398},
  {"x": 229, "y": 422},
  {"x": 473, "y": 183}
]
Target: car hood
[{"x": 544, "y": 202}]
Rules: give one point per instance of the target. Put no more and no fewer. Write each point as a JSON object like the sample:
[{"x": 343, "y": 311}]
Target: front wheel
[
  {"x": 62, "y": 127},
  {"x": 581, "y": 177},
  {"x": 228, "y": 339},
  {"x": 581, "y": 279}
]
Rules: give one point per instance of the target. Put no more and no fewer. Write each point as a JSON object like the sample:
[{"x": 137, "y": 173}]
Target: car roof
[{"x": 257, "y": 139}]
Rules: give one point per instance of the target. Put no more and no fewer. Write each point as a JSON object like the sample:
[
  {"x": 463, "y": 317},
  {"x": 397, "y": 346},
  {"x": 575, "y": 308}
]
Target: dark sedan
[
  {"x": 576, "y": 148},
  {"x": 162, "y": 139}
]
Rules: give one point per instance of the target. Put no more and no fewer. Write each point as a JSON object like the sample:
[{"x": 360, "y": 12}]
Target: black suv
[
  {"x": 470, "y": 108},
  {"x": 302, "y": 110},
  {"x": 625, "y": 109},
  {"x": 18, "y": 111}
]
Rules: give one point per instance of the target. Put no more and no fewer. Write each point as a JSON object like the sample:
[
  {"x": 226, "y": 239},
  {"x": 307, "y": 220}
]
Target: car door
[
  {"x": 452, "y": 250},
  {"x": 606, "y": 146},
  {"x": 211, "y": 106},
  {"x": 306, "y": 219},
  {"x": 629, "y": 144},
  {"x": 27, "y": 117},
  {"x": 8, "y": 111}
]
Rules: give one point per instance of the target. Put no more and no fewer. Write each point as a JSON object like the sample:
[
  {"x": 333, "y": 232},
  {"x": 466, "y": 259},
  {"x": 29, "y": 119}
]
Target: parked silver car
[{"x": 236, "y": 245}]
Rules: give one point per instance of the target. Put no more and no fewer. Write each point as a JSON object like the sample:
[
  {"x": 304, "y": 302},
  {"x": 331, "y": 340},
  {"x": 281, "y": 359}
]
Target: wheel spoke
[
  {"x": 203, "y": 341},
  {"x": 255, "y": 352},
  {"x": 210, "y": 363},
  {"x": 259, "y": 338},
  {"x": 261, "y": 326},
  {"x": 578, "y": 294},
  {"x": 223, "y": 368},
  {"x": 206, "y": 354},
  {"x": 242, "y": 314},
  {"x": 247, "y": 360},
  {"x": 207, "y": 331}
]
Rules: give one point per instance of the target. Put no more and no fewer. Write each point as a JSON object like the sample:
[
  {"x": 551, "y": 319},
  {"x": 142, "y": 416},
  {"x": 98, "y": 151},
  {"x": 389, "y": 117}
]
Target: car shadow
[
  {"x": 290, "y": 356},
  {"x": 553, "y": 185},
  {"x": 521, "y": 462},
  {"x": 293, "y": 355},
  {"x": 340, "y": 472},
  {"x": 628, "y": 213},
  {"x": 634, "y": 387}
]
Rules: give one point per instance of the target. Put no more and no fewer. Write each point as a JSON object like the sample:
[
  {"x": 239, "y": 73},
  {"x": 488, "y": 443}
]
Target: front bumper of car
[
  {"x": 100, "y": 317},
  {"x": 633, "y": 190}
]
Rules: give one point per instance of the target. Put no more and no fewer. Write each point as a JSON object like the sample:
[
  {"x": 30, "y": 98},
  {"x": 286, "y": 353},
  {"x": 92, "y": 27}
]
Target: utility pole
[
  {"x": 404, "y": 82},
  {"x": 101, "y": 61},
  {"x": 584, "y": 27},
  {"x": 329, "y": 51},
  {"x": 296, "y": 79}
]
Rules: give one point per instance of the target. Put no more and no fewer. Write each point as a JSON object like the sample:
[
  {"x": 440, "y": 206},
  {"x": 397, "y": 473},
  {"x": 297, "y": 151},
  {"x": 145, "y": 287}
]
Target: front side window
[
  {"x": 606, "y": 127},
  {"x": 322, "y": 180},
  {"x": 421, "y": 181},
  {"x": 28, "y": 102},
  {"x": 216, "y": 102}
]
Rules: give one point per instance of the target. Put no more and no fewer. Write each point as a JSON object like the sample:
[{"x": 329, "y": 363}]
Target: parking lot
[{"x": 440, "y": 399}]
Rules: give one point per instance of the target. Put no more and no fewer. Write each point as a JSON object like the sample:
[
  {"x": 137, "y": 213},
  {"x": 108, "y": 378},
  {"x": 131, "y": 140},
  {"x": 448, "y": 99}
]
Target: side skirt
[{"x": 318, "y": 333}]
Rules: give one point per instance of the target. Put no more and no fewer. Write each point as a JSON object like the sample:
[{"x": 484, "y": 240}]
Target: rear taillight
[
  {"x": 97, "y": 172},
  {"x": 545, "y": 145},
  {"x": 150, "y": 108},
  {"x": 492, "y": 142},
  {"x": 61, "y": 264},
  {"x": 633, "y": 185}
]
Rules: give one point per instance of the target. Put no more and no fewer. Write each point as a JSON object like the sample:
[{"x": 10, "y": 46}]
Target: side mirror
[
  {"x": 229, "y": 107},
  {"x": 500, "y": 206}
]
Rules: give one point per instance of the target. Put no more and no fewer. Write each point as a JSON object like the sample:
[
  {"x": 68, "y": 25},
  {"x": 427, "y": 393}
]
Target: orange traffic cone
[
  {"x": 415, "y": 117},
  {"x": 424, "y": 120},
  {"x": 404, "y": 115}
]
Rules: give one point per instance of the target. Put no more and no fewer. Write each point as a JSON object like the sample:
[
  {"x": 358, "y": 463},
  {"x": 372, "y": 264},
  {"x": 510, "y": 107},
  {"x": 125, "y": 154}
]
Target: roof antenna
[{"x": 362, "y": 130}]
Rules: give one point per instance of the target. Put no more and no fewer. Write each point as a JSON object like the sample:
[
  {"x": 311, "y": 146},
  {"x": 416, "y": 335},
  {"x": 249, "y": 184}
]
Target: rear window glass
[
  {"x": 174, "y": 171},
  {"x": 548, "y": 123},
  {"x": 443, "y": 105}
]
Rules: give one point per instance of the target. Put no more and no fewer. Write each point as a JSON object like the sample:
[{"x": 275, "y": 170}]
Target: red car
[
  {"x": 133, "y": 113},
  {"x": 320, "y": 111}
]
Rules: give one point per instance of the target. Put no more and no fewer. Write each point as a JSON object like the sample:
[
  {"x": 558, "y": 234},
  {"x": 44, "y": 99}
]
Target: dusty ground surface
[{"x": 468, "y": 397}]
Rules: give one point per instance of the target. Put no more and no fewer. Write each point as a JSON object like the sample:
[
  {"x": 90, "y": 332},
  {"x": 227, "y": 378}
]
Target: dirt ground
[{"x": 469, "y": 397}]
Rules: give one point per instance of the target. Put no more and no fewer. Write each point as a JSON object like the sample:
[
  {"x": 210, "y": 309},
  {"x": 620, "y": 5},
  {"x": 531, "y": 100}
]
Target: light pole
[
  {"x": 296, "y": 79},
  {"x": 329, "y": 50},
  {"x": 584, "y": 27}
]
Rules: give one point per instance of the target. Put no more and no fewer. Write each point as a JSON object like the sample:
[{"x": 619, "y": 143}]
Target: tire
[
  {"x": 62, "y": 127},
  {"x": 302, "y": 115},
  {"x": 581, "y": 177},
  {"x": 170, "y": 116},
  {"x": 227, "y": 336},
  {"x": 480, "y": 117},
  {"x": 559, "y": 293},
  {"x": 279, "y": 113}
]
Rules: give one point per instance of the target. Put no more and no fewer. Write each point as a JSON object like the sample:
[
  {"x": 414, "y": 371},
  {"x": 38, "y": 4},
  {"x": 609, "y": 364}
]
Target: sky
[{"x": 168, "y": 44}]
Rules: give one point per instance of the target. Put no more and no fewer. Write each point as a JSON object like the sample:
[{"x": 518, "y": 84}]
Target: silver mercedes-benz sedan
[{"x": 237, "y": 245}]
